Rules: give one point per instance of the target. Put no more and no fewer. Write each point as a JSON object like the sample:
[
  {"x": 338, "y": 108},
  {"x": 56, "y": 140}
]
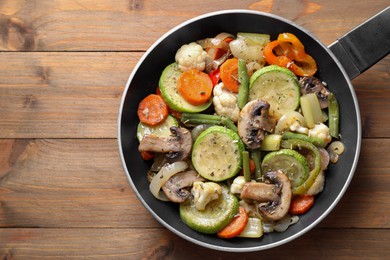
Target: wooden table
[{"x": 63, "y": 191}]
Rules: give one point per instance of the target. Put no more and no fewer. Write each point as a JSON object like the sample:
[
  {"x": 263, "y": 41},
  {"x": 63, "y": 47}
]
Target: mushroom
[
  {"x": 177, "y": 147},
  {"x": 277, "y": 209},
  {"x": 253, "y": 121},
  {"x": 260, "y": 192},
  {"x": 310, "y": 84},
  {"x": 175, "y": 187}
]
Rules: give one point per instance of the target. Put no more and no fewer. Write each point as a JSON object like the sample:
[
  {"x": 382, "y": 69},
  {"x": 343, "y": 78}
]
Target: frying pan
[{"x": 337, "y": 65}]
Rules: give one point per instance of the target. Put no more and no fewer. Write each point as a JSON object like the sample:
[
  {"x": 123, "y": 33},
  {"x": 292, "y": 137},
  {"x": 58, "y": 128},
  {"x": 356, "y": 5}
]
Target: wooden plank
[
  {"x": 87, "y": 181},
  {"x": 162, "y": 244},
  {"x": 61, "y": 95},
  {"x": 135, "y": 25},
  {"x": 77, "y": 95}
]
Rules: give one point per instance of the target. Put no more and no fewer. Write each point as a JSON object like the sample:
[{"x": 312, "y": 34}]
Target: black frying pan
[{"x": 337, "y": 65}]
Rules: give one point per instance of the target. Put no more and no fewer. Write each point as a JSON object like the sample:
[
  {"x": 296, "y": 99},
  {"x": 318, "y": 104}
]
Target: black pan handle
[{"x": 365, "y": 45}]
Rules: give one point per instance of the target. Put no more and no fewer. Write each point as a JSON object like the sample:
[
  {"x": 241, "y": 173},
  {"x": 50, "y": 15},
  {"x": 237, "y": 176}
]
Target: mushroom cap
[
  {"x": 253, "y": 121},
  {"x": 175, "y": 187}
]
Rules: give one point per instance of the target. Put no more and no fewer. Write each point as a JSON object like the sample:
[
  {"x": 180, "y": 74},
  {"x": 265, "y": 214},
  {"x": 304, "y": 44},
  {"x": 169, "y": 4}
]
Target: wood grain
[
  {"x": 77, "y": 95},
  {"x": 101, "y": 25},
  {"x": 63, "y": 191},
  {"x": 86, "y": 180},
  {"x": 156, "y": 243},
  {"x": 61, "y": 95}
]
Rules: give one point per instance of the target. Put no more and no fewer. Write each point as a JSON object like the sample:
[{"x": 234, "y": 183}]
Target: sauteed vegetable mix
[{"x": 241, "y": 132}]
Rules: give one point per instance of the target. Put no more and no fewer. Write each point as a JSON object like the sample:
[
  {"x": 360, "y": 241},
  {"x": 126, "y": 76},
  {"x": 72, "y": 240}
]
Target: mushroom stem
[
  {"x": 260, "y": 192},
  {"x": 177, "y": 147},
  {"x": 277, "y": 209}
]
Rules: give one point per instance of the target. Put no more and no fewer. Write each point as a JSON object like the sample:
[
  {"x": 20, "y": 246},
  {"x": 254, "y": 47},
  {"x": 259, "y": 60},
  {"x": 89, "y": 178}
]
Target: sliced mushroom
[
  {"x": 253, "y": 121},
  {"x": 177, "y": 147},
  {"x": 277, "y": 209},
  {"x": 310, "y": 84},
  {"x": 175, "y": 188},
  {"x": 260, "y": 192}
]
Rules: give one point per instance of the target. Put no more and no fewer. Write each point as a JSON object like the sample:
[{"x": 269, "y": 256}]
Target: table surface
[{"x": 63, "y": 191}]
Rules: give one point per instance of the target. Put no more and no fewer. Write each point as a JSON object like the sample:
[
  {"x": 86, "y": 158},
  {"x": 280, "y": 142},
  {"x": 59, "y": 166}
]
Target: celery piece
[
  {"x": 254, "y": 38},
  {"x": 271, "y": 142},
  {"x": 311, "y": 109},
  {"x": 253, "y": 229}
]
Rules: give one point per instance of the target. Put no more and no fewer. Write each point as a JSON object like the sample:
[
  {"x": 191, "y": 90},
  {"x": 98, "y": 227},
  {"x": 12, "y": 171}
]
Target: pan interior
[{"x": 144, "y": 80}]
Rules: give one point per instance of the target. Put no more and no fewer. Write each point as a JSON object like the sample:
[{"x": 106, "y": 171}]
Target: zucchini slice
[
  {"x": 291, "y": 162},
  {"x": 162, "y": 129},
  {"x": 278, "y": 86},
  {"x": 169, "y": 92},
  {"x": 217, "y": 153},
  {"x": 217, "y": 214}
]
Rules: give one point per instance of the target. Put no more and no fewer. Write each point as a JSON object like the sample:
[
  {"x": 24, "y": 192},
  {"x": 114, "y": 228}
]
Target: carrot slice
[
  {"x": 229, "y": 74},
  {"x": 237, "y": 225},
  {"x": 195, "y": 87},
  {"x": 301, "y": 204},
  {"x": 152, "y": 110},
  {"x": 147, "y": 155}
]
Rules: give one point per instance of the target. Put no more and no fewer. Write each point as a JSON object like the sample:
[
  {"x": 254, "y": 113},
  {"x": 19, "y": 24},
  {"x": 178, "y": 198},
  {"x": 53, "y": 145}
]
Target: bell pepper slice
[
  {"x": 297, "y": 47},
  {"x": 280, "y": 59},
  {"x": 288, "y": 51},
  {"x": 304, "y": 65},
  {"x": 215, "y": 76}
]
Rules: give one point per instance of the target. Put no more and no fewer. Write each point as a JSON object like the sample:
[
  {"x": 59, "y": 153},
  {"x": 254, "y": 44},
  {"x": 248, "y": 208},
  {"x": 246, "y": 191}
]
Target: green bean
[
  {"x": 334, "y": 117},
  {"x": 256, "y": 157},
  {"x": 243, "y": 89},
  {"x": 246, "y": 166},
  {"x": 197, "y": 119},
  {"x": 226, "y": 121},
  {"x": 312, "y": 139}
]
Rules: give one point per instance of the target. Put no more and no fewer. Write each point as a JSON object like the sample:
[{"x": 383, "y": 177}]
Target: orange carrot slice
[
  {"x": 237, "y": 225},
  {"x": 229, "y": 74},
  {"x": 147, "y": 155},
  {"x": 195, "y": 87},
  {"x": 301, "y": 204},
  {"x": 152, "y": 110}
]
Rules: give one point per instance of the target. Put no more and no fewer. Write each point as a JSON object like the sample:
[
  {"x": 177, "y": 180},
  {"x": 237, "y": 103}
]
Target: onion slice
[
  {"x": 291, "y": 119},
  {"x": 166, "y": 172}
]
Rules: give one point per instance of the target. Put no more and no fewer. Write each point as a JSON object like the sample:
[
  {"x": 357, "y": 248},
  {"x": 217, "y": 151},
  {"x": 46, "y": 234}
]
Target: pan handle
[{"x": 365, "y": 45}]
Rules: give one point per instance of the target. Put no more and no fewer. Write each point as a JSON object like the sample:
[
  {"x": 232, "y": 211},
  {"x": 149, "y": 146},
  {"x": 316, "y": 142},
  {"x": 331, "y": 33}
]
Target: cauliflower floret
[
  {"x": 191, "y": 56},
  {"x": 225, "y": 102},
  {"x": 204, "y": 192},
  {"x": 237, "y": 185},
  {"x": 321, "y": 131}
]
